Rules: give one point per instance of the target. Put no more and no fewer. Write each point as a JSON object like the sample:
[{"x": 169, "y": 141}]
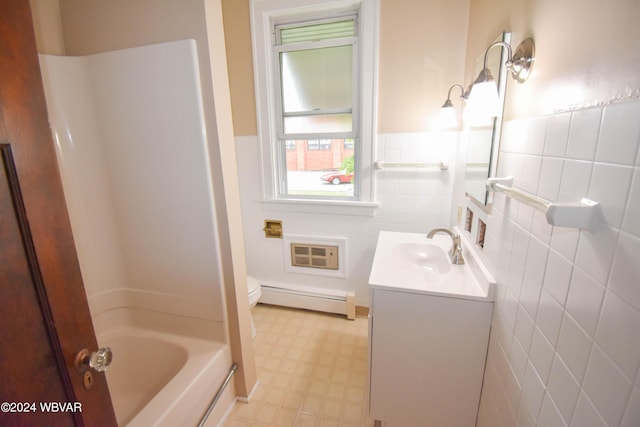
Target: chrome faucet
[{"x": 456, "y": 249}]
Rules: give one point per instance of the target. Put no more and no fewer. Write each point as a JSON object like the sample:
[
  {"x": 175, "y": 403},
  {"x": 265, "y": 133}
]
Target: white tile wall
[
  {"x": 557, "y": 135},
  {"x": 565, "y": 346},
  {"x": 633, "y": 410},
  {"x": 583, "y": 136},
  {"x": 412, "y": 200},
  {"x": 584, "y": 301},
  {"x": 563, "y": 388},
  {"x": 585, "y": 414},
  {"x": 626, "y": 270},
  {"x": 549, "y": 414},
  {"x": 564, "y": 349},
  {"x": 541, "y": 354}
]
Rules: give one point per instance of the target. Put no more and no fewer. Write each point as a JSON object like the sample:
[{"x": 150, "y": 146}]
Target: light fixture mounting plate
[{"x": 523, "y": 60}]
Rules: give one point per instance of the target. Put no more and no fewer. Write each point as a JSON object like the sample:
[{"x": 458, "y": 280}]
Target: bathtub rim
[{"x": 185, "y": 398}]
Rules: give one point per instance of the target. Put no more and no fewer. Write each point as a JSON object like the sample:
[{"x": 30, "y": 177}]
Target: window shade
[{"x": 315, "y": 32}]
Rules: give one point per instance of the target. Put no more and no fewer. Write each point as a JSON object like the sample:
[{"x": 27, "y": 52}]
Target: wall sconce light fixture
[
  {"x": 447, "y": 116},
  {"x": 484, "y": 92},
  {"x": 472, "y": 115}
]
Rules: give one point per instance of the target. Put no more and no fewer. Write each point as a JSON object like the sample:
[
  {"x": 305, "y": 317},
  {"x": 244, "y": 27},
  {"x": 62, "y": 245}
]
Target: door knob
[{"x": 99, "y": 360}]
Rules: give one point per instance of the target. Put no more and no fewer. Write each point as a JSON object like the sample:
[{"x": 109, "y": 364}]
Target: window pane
[
  {"x": 329, "y": 123},
  {"x": 323, "y": 168},
  {"x": 317, "y": 79}
]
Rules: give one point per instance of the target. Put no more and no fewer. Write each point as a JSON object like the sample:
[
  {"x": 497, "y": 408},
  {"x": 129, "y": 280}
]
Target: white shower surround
[
  {"x": 130, "y": 138},
  {"x": 131, "y": 143}
]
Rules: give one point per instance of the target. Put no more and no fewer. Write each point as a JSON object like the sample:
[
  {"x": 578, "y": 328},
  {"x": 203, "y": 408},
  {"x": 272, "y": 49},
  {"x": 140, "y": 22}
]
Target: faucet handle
[
  {"x": 456, "y": 250},
  {"x": 456, "y": 254}
]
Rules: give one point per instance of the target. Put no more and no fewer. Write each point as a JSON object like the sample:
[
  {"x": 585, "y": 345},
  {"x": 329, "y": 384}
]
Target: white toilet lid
[{"x": 252, "y": 284}]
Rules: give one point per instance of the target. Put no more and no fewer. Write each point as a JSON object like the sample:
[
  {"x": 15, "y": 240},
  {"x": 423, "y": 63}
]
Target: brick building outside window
[{"x": 318, "y": 154}]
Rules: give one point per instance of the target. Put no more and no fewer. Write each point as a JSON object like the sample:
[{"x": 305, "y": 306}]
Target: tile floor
[{"x": 312, "y": 371}]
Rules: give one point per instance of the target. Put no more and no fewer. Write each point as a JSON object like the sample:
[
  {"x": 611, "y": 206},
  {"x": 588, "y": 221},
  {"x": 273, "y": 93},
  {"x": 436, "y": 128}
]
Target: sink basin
[
  {"x": 409, "y": 262},
  {"x": 423, "y": 256}
]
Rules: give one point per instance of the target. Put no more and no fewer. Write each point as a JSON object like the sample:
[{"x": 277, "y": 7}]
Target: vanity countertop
[{"x": 409, "y": 262}]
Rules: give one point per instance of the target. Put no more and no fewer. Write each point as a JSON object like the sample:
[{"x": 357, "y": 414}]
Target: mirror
[{"x": 483, "y": 139}]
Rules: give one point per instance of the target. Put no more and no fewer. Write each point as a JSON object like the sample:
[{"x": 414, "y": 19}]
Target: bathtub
[{"x": 159, "y": 378}]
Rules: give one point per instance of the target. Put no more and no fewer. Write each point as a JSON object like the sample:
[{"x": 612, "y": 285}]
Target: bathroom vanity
[{"x": 428, "y": 332}]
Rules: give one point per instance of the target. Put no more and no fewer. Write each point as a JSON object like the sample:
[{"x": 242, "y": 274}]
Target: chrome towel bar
[
  {"x": 583, "y": 214},
  {"x": 443, "y": 166}
]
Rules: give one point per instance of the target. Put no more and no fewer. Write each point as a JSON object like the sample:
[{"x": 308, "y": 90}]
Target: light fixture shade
[
  {"x": 447, "y": 116},
  {"x": 484, "y": 97},
  {"x": 476, "y": 116},
  {"x": 483, "y": 101}
]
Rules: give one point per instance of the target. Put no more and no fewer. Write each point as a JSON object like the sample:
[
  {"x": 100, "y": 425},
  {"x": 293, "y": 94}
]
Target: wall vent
[{"x": 314, "y": 256}]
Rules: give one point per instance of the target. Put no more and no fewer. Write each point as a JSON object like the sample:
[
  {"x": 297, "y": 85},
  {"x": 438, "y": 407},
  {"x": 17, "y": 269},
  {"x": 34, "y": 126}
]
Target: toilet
[{"x": 254, "y": 295}]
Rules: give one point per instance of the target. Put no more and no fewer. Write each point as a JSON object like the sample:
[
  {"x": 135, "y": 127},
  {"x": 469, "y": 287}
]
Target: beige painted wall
[
  {"x": 587, "y": 51},
  {"x": 422, "y": 53},
  {"x": 237, "y": 30},
  {"x": 48, "y": 26},
  {"x": 422, "y": 48}
]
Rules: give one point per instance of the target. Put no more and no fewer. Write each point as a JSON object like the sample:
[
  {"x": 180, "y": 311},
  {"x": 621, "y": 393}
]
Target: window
[
  {"x": 317, "y": 64},
  {"x": 315, "y": 97}
]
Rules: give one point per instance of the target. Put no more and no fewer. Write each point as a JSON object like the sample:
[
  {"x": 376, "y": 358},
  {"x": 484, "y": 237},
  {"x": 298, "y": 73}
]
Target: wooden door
[{"x": 44, "y": 316}]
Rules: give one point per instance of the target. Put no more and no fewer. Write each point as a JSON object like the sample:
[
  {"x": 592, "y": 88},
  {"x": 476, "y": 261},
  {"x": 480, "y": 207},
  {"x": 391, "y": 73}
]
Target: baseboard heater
[{"x": 310, "y": 298}]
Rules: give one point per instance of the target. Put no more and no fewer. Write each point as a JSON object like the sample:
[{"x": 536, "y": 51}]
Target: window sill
[{"x": 330, "y": 207}]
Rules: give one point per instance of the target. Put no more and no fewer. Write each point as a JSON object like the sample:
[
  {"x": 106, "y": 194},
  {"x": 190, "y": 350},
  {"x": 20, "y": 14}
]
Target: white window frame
[{"x": 264, "y": 14}]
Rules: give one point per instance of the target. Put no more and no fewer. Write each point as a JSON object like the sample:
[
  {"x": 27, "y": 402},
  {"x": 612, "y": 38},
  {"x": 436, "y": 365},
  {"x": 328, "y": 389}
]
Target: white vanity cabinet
[
  {"x": 427, "y": 346},
  {"x": 427, "y": 359}
]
